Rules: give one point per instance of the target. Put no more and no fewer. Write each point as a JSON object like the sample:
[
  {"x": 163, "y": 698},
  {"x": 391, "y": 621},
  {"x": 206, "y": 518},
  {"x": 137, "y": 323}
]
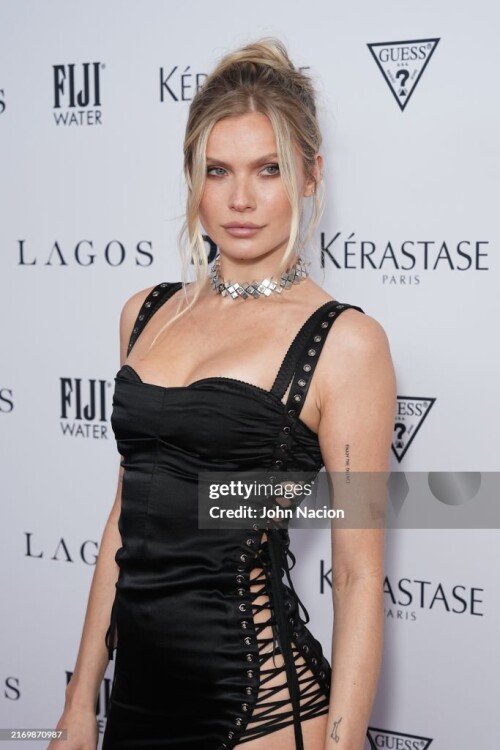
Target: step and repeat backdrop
[{"x": 94, "y": 98}]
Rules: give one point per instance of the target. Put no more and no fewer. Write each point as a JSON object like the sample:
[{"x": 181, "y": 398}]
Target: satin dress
[{"x": 209, "y": 636}]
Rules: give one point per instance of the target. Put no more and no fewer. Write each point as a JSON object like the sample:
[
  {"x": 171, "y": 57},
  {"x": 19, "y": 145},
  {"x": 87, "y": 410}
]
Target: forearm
[
  {"x": 92, "y": 658},
  {"x": 357, "y": 645}
]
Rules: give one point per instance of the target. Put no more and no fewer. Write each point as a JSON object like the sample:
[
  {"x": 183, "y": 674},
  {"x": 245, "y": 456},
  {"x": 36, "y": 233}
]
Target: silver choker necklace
[{"x": 256, "y": 289}]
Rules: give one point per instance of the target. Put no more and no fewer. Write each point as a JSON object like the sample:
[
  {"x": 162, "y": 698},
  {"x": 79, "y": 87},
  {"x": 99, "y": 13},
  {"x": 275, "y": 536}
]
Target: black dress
[{"x": 211, "y": 647}]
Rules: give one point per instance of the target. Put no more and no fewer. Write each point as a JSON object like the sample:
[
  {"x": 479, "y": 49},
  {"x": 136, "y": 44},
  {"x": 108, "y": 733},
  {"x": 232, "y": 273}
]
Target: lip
[
  {"x": 242, "y": 230},
  {"x": 238, "y": 224}
]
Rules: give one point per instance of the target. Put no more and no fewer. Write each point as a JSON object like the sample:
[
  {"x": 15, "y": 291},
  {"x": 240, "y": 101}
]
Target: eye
[
  {"x": 210, "y": 170},
  {"x": 273, "y": 167}
]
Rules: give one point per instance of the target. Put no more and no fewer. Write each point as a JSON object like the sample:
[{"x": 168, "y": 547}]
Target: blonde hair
[{"x": 258, "y": 77}]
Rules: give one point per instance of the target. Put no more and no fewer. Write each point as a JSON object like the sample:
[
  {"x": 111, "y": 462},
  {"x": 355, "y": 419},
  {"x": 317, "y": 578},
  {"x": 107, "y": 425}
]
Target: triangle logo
[
  {"x": 410, "y": 415},
  {"x": 402, "y": 65},
  {"x": 382, "y": 737}
]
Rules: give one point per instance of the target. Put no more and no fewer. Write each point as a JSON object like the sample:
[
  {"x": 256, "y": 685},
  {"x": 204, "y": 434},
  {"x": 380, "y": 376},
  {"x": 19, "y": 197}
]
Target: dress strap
[
  {"x": 302, "y": 355},
  {"x": 155, "y": 299}
]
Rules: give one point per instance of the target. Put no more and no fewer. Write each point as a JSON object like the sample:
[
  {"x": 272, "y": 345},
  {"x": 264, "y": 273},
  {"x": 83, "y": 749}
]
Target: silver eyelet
[
  {"x": 238, "y": 721},
  {"x": 314, "y": 661},
  {"x": 291, "y": 412},
  {"x": 148, "y": 304},
  {"x": 155, "y": 294},
  {"x": 247, "y": 641},
  {"x": 248, "y": 690},
  {"x": 249, "y": 657},
  {"x": 244, "y": 624},
  {"x": 301, "y": 382},
  {"x": 244, "y": 706},
  {"x": 324, "y": 324},
  {"x": 242, "y": 607},
  {"x": 331, "y": 314},
  {"x": 141, "y": 317},
  {"x": 230, "y": 734},
  {"x": 307, "y": 368},
  {"x": 311, "y": 352},
  {"x": 241, "y": 592},
  {"x": 240, "y": 579},
  {"x": 321, "y": 674},
  {"x": 341, "y": 307},
  {"x": 278, "y": 462},
  {"x": 305, "y": 648},
  {"x": 255, "y": 526},
  {"x": 249, "y": 673},
  {"x": 135, "y": 330},
  {"x": 249, "y": 542},
  {"x": 286, "y": 429},
  {"x": 283, "y": 446},
  {"x": 243, "y": 558},
  {"x": 297, "y": 397},
  {"x": 317, "y": 339}
]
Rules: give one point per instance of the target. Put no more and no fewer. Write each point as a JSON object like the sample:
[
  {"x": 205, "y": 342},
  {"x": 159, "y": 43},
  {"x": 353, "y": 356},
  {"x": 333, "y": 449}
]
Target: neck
[
  {"x": 260, "y": 286},
  {"x": 245, "y": 270}
]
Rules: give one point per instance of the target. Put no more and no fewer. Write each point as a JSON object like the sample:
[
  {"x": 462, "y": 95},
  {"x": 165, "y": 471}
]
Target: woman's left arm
[{"x": 357, "y": 402}]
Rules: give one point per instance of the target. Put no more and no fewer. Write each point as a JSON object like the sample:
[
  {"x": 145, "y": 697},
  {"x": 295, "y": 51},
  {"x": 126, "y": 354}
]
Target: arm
[
  {"x": 82, "y": 691},
  {"x": 357, "y": 403}
]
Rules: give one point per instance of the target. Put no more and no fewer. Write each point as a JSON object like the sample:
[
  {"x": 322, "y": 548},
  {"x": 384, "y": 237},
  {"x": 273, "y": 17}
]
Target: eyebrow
[{"x": 267, "y": 157}]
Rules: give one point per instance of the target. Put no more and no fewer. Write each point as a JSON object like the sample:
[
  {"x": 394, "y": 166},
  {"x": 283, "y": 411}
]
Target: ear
[{"x": 310, "y": 185}]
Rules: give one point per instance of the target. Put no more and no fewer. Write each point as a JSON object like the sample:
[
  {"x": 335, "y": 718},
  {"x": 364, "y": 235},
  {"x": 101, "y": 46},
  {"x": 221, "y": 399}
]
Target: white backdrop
[{"x": 92, "y": 193}]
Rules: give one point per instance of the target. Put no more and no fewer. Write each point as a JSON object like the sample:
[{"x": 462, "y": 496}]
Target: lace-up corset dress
[{"x": 209, "y": 636}]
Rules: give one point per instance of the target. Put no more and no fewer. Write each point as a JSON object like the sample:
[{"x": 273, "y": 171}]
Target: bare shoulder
[
  {"x": 128, "y": 316},
  {"x": 357, "y": 347}
]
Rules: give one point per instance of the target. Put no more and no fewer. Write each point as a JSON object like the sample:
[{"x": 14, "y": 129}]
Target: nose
[{"x": 242, "y": 197}]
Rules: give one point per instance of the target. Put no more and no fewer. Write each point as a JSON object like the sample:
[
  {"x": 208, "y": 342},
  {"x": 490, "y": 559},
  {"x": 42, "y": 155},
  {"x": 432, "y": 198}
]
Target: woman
[{"x": 211, "y": 649}]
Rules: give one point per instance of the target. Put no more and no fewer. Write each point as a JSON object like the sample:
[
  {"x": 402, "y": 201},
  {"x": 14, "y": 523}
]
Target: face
[{"x": 244, "y": 208}]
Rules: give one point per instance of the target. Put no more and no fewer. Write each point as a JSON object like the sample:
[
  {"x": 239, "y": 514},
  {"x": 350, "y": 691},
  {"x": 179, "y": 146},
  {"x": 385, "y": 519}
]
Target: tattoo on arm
[{"x": 334, "y": 734}]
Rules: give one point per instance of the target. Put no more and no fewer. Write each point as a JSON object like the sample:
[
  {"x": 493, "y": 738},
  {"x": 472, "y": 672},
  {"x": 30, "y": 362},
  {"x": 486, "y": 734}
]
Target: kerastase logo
[
  {"x": 402, "y": 65},
  {"x": 84, "y": 408},
  {"x": 77, "y": 94},
  {"x": 179, "y": 84},
  {"x": 405, "y": 598}
]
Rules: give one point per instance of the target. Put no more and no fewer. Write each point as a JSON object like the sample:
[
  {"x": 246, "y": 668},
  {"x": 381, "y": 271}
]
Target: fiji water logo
[
  {"x": 84, "y": 407},
  {"x": 77, "y": 94}
]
